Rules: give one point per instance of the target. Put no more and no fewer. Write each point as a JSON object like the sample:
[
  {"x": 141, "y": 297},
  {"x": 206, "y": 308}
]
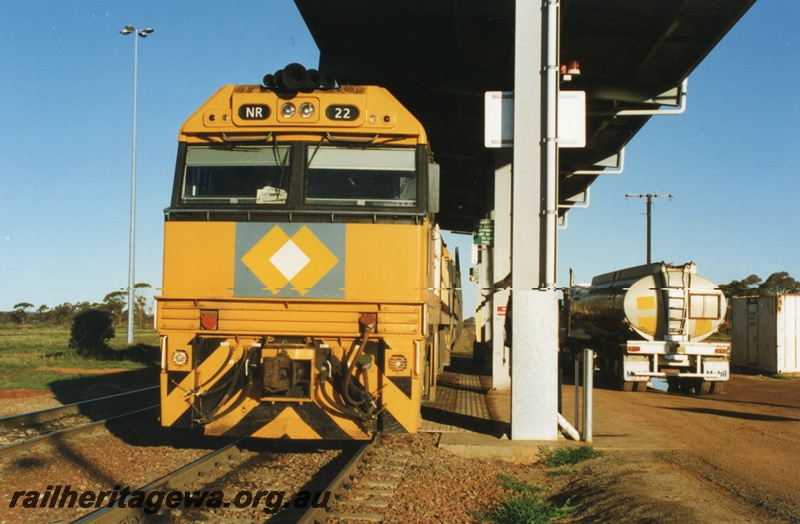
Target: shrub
[{"x": 91, "y": 331}]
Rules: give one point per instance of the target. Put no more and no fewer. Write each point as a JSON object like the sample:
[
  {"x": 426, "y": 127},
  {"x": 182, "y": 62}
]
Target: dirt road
[{"x": 733, "y": 457}]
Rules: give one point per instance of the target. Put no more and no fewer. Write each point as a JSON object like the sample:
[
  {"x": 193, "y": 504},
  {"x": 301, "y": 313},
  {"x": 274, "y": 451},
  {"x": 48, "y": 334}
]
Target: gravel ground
[
  {"x": 127, "y": 455},
  {"x": 437, "y": 486},
  {"x": 721, "y": 458}
]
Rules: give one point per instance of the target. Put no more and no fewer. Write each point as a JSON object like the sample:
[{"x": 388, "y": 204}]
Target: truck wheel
[
  {"x": 673, "y": 384},
  {"x": 702, "y": 387},
  {"x": 717, "y": 387},
  {"x": 641, "y": 386},
  {"x": 626, "y": 386}
]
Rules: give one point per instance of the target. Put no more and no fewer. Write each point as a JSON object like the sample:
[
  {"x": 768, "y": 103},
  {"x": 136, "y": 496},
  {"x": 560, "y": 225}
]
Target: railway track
[
  {"x": 123, "y": 511},
  {"x": 18, "y": 432},
  {"x": 359, "y": 492},
  {"x": 364, "y": 488}
]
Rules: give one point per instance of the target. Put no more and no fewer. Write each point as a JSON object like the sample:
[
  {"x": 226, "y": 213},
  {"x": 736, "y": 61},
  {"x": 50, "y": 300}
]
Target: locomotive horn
[
  {"x": 326, "y": 80},
  {"x": 268, "y": 81},
  {"x": 312, "y": 79},
  {"x": 277, "y": 79},
  {"x": 294, "y": 77}
]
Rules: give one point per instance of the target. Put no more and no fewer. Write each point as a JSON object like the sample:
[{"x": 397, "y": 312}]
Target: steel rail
[
  {"x": 314, "y": 515},
  {"x": 46, "y": 415},
  {"x": 120, "y": 512},
  {"x": 33, "y": 441}
]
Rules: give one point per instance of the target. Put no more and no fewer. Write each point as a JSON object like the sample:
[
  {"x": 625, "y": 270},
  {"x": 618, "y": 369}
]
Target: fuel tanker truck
[{"x": 651, "y": 321}]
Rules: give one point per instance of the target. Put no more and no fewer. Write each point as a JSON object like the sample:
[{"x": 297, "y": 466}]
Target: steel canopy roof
[{"x": 440, "y": 57}]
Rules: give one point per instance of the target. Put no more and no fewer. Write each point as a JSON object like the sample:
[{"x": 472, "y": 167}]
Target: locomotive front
[{"x": 298, "y": 296}]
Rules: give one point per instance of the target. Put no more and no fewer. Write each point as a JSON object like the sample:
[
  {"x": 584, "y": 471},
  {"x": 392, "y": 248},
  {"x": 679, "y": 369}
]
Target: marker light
[
  {"x": 574, "y": 68},
  {"x": 288, "y": 110},
  {"x": 180, "y": 357},
  {"x": 307, "y": 110}
]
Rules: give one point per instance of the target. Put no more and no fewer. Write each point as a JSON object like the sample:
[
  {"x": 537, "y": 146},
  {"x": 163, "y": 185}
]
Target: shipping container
[{"x": 765, "y": 333}]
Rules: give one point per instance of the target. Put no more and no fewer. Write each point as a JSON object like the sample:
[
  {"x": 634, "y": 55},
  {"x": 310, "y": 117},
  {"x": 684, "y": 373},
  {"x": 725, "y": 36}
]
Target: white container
[{"x": 765, "y": 333}]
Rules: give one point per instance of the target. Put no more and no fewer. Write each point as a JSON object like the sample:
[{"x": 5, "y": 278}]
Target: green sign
[{"x": 483, "y": 234}]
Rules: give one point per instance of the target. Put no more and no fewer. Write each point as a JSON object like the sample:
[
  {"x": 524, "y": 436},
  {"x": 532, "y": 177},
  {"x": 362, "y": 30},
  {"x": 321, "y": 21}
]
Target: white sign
[{"x": 499, "y": 119}]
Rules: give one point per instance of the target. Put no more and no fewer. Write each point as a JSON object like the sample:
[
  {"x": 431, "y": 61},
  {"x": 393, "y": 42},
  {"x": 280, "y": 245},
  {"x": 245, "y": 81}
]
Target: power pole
[{"x": 649, "y": 197}]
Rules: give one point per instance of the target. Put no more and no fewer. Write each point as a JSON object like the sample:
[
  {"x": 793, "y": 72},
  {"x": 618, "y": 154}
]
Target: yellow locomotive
[{"x": 307, "y": 292}]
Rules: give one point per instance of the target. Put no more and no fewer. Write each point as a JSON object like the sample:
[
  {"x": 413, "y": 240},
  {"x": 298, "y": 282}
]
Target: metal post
[
  {"x": 649, "y": 197},
  {"x": 132, "y": 247},
  {"x": 588, "y": 386}
]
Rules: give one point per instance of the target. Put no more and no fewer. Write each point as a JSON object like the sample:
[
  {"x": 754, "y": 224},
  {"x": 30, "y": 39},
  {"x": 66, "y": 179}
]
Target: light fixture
[
  {"x": 288, "y": 110},
  {"x": 180, "y": 357},
  {"x": 307, "y": 110},
  {"x": 574, "y": 68}
]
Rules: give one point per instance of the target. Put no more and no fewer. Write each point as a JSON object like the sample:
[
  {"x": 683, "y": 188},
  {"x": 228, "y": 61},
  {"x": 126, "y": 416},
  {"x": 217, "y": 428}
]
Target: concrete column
[{"x": 534, "y": 398}]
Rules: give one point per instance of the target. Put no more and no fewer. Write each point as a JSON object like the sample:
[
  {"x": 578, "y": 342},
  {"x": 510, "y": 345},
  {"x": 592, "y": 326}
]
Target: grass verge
[
  {"x": 557, "y": 457},
  {"x": 526, "y": 505},
  {"x": 34, "y": 358}
]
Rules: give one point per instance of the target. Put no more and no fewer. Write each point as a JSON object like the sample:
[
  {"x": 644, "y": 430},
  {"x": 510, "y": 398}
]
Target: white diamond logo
[{"x": 289, "y": 260}]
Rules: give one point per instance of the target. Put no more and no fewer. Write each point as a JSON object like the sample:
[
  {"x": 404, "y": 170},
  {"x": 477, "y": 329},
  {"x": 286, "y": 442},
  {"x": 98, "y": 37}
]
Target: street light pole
[
  {"x": 649, "y": 197},
  {"x": 129, "y": 29}
]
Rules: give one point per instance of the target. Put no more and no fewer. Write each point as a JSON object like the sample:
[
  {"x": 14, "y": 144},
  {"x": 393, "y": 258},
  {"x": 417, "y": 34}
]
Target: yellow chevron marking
[
  {"x": 289, "y": 424},
  {"x": 405, "y": 410},
  {"x": 177, "y": 402}
]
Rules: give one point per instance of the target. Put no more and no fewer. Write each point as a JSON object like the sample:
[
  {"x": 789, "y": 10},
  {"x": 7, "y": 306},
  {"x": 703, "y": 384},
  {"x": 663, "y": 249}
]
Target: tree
[
  {"x": 63, "y": 313},
  {"x": 19, "y": 310},
  {"x": 779, "y": 283},
  {"x": 748, "y": 286},
  {"x": 114, "y": 303},
  {"x": 140, "y": 304},
  {"x": 91, "y": 331}
]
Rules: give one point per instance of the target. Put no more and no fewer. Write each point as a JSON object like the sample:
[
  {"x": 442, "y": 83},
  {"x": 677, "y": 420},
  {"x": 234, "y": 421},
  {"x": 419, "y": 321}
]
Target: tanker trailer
[{"x": 651, "y": 321}]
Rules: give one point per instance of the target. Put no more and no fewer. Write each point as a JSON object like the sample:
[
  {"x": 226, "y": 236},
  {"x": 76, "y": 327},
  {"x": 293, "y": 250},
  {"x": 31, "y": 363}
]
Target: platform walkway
[
  {"x": 473, "y": 419},
  {"x": 460, "y": 405}
]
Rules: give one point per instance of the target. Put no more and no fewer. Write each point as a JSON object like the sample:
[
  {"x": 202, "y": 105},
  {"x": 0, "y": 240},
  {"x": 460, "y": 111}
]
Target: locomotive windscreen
[
  {"x": 340, "y": 176},
  {"x": 236, "y": 174}
]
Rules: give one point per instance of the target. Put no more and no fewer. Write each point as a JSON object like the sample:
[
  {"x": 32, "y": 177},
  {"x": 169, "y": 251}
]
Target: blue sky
[{"x": 66, "y": 87}]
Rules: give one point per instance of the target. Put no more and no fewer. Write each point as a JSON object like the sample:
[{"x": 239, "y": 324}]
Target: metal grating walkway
[{"x": 460, "y": 405}]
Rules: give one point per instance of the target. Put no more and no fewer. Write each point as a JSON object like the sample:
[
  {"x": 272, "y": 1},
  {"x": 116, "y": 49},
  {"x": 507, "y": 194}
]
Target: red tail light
[{"x": 208, "y": 318}]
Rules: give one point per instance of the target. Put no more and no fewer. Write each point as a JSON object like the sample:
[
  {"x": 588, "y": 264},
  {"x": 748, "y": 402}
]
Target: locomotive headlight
[
  {"x": 288, "y": 110},
  {"x": 307, "y": 110},
  {"x": 180, "y": 357}
]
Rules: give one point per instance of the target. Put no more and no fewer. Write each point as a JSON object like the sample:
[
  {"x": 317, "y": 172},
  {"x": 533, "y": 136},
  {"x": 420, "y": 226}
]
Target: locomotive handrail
[
  {"x": 228, "y": 138},
  {"x": 353, "y": 139},
  {"x": 398, "y": 212}
]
